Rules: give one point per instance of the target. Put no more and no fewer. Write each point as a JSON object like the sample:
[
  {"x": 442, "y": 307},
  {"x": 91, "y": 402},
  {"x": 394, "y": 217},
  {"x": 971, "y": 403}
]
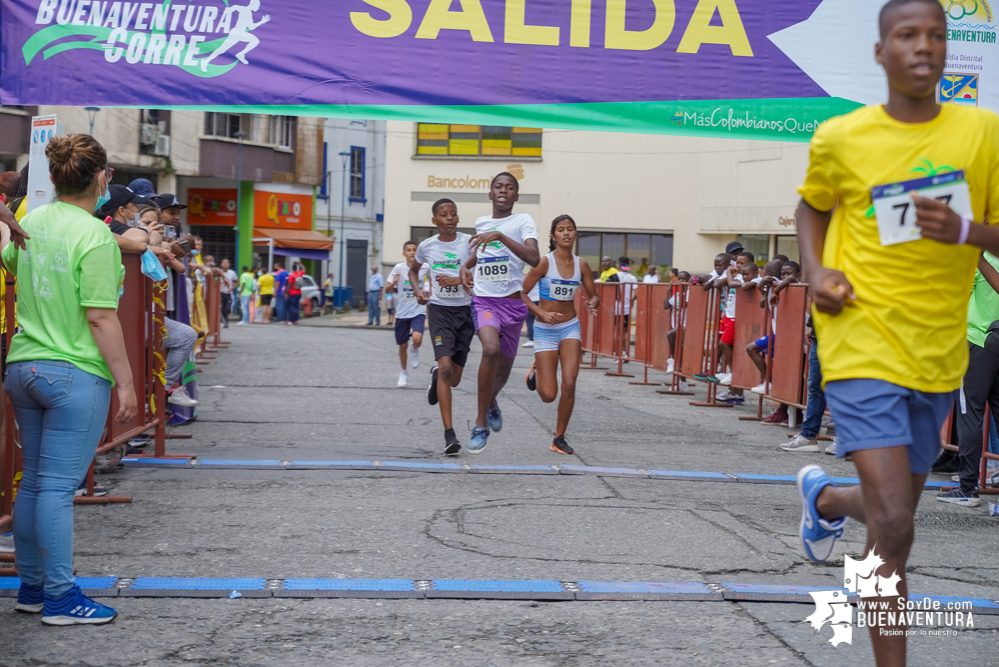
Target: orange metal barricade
[
  {"x": 645, "y": 333},
  {"x": 663, "y": 320},
  {"x": 699, "y": 353},
  {"x": 789, "y": 374},
  {"x": 983, "y": 466},
  {"x": 750, "y": 325},
  {"x": 615, "y": 324},
  {"x": 588, "y": 324}
]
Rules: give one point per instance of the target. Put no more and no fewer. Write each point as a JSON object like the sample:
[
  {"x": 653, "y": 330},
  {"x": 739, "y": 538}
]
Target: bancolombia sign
[{"x": 737, "y": 68}]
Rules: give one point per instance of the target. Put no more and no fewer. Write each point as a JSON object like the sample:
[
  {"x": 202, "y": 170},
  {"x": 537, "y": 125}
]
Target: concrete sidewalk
[{"x": 326, "y": 391}]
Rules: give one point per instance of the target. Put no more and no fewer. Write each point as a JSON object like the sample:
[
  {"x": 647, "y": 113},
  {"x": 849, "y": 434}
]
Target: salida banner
[{"x": 763, "y": 69}]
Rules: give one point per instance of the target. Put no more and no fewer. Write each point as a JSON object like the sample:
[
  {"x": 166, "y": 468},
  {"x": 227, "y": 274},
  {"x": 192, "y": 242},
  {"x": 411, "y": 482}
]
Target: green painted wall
[{"x": 244, "y": 226}]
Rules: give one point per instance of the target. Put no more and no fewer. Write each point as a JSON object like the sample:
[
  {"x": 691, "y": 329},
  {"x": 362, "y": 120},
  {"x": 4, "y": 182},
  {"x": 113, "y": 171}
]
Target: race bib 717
[{"x": 896, "y": 212}]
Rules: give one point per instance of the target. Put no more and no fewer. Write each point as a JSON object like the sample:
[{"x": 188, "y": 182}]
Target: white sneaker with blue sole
[
  {"x": 494, "y": 419},
  {"x": 75, "y": 608},
  {"x": 478, "y": 441},
  {"x": 818, "y": 536},
  {"x": 30, "y": 599}
]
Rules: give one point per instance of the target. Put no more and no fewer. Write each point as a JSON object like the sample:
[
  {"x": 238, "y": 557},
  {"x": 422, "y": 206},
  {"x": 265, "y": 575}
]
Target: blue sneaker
[
  {"x": 477, "y": 444},
  {"x": 494, "y": 418},
  {"x": 75, "y": 608},
  {"x": 817, "y": 535},
  {"x": 30, "y": 599}
]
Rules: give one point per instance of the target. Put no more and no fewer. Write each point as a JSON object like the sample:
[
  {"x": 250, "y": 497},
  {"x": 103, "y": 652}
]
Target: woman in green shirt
[{"x": 60, "y": 371}]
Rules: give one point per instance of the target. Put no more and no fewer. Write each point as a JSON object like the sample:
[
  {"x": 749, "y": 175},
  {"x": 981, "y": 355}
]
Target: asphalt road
[{"x": 321, "y": 393}]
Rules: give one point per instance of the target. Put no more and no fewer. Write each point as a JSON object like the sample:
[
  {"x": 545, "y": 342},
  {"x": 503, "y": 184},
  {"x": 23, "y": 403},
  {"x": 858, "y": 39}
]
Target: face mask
[
  {"x": 133, "y": 220},
  {"x": 105, "y": 197},
  {"x": 195, "y": 252},
  {"x": 152, "y": 268}
]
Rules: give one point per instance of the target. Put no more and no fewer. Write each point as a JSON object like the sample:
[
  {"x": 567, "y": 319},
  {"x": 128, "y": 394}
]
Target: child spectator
[
  {"x": 758, "y": 348},
  {"x": 734, "y": 278}
]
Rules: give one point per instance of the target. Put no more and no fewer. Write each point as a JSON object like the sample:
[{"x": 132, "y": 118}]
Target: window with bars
[
  {"x": 282, "y": 130},
  {"x": 224, "y": 124},
  {"x": 479, "y": 140},
  {"x": 357, "y": 174}
]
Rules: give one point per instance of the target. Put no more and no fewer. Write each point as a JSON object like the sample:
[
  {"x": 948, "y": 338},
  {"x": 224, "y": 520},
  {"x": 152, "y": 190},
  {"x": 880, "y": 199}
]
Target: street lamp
[
  {"x": 344, "y": 156},
  {"x": 92, "y": 114},
  {"x": 239, "y": 190}
]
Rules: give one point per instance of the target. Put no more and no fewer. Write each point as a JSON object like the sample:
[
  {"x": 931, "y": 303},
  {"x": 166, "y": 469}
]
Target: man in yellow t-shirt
[
  {"x": 266, "y": 283},
  {"x": 893, "y": 354}
]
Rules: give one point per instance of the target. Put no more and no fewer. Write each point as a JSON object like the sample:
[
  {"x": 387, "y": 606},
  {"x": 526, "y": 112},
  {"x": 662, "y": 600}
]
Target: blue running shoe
[
  {"x": 494, "y": 418},
  {"x": 817, "y": 535},
  {"x": 30, "y": 599},
  {"x": 477, "y": 444},
  {"x": 75, "y": 608}
]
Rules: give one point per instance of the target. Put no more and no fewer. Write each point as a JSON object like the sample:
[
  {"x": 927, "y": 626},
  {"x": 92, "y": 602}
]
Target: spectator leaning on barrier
[
  {"x": 652, "y": 277},
  {"x": 607, "y": 269},
  {"x": 60, "y": 371},
  {"x": 170, "y": 208},
  {"x": 757, "y": 350},
  {"x": 981, "y": 382},
  {"x": 624, "y": 301},
  {"x": 121, "y": 212},
  {"x": 669, "y": 304}
]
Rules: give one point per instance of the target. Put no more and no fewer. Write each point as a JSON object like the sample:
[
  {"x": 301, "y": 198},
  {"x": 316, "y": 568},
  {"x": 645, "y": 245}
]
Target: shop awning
[{"x": 303, "y": 243}]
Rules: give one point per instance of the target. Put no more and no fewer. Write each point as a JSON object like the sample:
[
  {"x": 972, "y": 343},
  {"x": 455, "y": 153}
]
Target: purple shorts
[{"x": 505, "y": 315}]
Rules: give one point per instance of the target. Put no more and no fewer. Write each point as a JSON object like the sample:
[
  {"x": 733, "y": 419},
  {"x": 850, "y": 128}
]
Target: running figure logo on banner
[{"x": 189, "y": 36}]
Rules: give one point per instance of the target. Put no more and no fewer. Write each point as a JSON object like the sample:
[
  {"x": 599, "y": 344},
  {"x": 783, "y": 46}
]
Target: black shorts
[
  {"x": 452, "y": 330},
  {"x": 265, "y": 299},
  {"x": 403, "y": 328}
]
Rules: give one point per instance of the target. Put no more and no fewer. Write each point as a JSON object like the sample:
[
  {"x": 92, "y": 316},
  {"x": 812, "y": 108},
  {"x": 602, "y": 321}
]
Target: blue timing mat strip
[
  {"x": 675, "y": 475},
  {"x": 467, "y": 588}
]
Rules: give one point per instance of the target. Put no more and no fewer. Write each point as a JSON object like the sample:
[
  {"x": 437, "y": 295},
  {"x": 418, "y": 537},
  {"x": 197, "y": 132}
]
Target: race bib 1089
[
  {"x": 493, "y": 268},
  {"x": 896, "y": 212}
]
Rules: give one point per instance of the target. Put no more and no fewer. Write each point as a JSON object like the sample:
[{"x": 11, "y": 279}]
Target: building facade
[
  {"x": 350, "y": 202},
  {"x": 661, "y": 200}
]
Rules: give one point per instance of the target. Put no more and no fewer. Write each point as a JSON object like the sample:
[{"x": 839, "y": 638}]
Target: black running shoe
[
  {"x": 561, "y": 446},
  {"x": 946, "y": 463},
  {"x": 532, "y": 379},
  {"x": 451, "y": 444},
  {"x": 432, "y": 389}
]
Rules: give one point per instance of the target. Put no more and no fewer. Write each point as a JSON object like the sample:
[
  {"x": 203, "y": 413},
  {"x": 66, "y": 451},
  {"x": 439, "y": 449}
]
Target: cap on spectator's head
[
  {"x": 142, "y": 187},
  {"x": 734, "y": 247},
  {"x": 121, "y": 196},
  {"x": 168, "y": 200},
  {"x": 624, "y": 263}
]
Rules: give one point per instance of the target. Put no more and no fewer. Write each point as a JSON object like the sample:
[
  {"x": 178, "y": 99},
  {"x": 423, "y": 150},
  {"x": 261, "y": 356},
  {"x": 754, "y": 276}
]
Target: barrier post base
[
  {"x": 619, "y": 375},
  {"x": 646, "y": 384},
  {"x": 671, "y": 392},
  {"x": 752, "y": 419},
  {"x": 179, "y": 436},
  {"x": 101, "y": 500},
  {"x": 711, "y": 405}
]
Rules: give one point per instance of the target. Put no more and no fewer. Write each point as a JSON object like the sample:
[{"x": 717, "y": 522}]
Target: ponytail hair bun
[{"x": 73, "y": 161}]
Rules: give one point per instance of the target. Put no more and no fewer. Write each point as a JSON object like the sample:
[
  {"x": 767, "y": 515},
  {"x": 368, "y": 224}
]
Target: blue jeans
[
  {"x": 816, "y": 405},
  {"x": 294, "y": 306},
  {"x": 244, "y": 304},
  {"x": 61, "y": 412},
  {"x": 374, "y": 308},
  {"x": 279, "y": 307}
]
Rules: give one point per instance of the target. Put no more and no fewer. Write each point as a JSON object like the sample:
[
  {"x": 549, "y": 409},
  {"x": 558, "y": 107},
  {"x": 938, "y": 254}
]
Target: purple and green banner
[{"x": 767, "y": 69}]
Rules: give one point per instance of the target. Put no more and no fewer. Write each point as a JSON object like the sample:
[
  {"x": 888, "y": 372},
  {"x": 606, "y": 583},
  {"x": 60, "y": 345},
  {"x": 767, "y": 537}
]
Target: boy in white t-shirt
[
  {"x": 504, "y": 242},
  {"x": 410, "y": 315},
  {"x": 449, "y": 310}
]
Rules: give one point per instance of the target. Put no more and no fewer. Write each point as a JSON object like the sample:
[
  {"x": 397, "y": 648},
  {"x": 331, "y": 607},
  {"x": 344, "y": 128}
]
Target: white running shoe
[
  {"x": 403, "y": 379},
  {"x": 800, "y": 443},
  {"x": 723, "y": 396},
  {"x": 831, "y": 449},
  {"x": 180, "y": 397},
  {"x": 759, "y": 389},
  {"x": 414, "y": 356},
  {"x": 683, "y": 386},
  {"x": 669, "y": 365},
  {"x": 529, "y": 343},
  {"x": 725, "y": 379}
]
